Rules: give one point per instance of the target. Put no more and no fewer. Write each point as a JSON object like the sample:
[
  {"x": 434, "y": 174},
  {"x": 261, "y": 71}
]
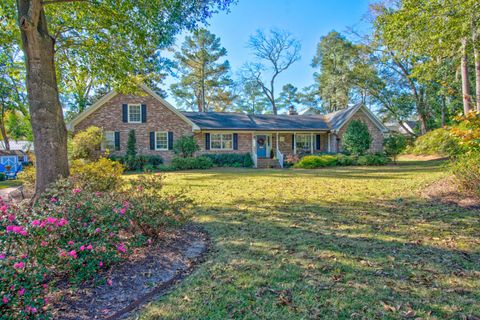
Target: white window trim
[
  {"x": 309, "y": 137},
  {"x": 161, "y": 149},
  {"x": 221, "y": 141},
  {"x": 128, "y": 112},
  {"x": 104, "y": 142}
]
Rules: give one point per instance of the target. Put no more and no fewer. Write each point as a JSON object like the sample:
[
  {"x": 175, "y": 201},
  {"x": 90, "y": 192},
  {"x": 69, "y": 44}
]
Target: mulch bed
[
  {"x": 449, "y": 192},
  {"x": 148, "y": 273}
]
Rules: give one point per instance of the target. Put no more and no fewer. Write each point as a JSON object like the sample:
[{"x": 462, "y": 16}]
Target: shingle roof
[
  {"x": 337, "y": 118},
  {"x": 241, "y": 121}
]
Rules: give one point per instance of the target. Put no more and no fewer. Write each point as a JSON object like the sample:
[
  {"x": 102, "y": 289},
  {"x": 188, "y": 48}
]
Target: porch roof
[{"x": 246, "y": 122}]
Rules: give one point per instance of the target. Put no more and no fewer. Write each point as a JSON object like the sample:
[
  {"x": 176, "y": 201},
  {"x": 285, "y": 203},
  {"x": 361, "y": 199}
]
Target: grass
[
  {"x": 9, "y": 183},
  {"x": 337, "y": 243}
]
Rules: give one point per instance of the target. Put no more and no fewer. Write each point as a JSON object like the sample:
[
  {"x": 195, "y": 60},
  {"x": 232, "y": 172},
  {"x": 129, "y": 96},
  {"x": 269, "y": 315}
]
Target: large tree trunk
[
  {"x": 3, "y": 130},
  {"x": 48, "y": 126},
  {"x": 476, "y": 55},
  {"x": 465, "y": 82}
]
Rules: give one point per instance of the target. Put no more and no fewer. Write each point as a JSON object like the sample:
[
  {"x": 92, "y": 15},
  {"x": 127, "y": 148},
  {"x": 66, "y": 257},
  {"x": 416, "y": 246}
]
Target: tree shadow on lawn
[{"x": 355, "y": 258}]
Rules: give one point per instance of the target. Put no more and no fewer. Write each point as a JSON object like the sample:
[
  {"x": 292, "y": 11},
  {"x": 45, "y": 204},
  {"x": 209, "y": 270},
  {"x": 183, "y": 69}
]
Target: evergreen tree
[
  {"x": 204, "y": 73},
  {"x": 356, "y": 138}
]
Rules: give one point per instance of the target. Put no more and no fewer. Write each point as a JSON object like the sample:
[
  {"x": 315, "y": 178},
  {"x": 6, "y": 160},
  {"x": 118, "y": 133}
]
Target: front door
[{"x": 262, "y": 146}]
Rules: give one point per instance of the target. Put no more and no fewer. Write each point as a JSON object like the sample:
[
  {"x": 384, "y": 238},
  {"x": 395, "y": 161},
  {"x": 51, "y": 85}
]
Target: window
[
  {"x": 108, "y": 140},
  {"x": 161, "y": 140},
  {"x": 134, "y": 113},
  {"x": 221, "y": 141},
  {"x": 303, "y": 142}
]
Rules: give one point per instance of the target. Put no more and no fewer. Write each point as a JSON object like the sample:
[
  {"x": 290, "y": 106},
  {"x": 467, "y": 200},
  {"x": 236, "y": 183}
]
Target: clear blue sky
[{"x": 307, "y": 20}]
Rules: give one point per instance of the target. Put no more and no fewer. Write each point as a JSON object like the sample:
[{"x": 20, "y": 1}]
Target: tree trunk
[
  {"x": 444, "y": 109},
  {"x": 476, "y": 55},
  {"x": 6, "y": 142},
  {"x": 465, "y": 83},
  {"x": 48, "y": 126}
]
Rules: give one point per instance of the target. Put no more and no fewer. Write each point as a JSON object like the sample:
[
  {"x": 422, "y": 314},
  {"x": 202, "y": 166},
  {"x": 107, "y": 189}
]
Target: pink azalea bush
[{"x": 75, "y": 233}]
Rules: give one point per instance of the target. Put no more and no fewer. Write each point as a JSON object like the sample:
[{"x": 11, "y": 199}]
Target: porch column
[
  {"x": 276, "y": 142},
  {"x": 328, "y": 144},
  {"x": 294, "y": 143}
]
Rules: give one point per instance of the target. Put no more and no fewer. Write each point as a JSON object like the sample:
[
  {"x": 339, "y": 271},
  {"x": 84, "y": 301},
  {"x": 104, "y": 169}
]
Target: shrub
[
  {"x": 185, "y": 146},
  {"x": 152, "y": 208},
  {"x": 131, "y": 160},
  {"x": 165, "y": 168},
  {"x": 291, "y": 159},
  {"x": 231, "y": 160},
  {"x": 393, "y": 145},
  {"x": 152, "y": 159},
  {"x": 149, "y": 168},
  {"x": 466, "y": 169},
  {"x": 139, "y": 162},
  {"x": 2, "y": 176},
  {"x": 312, "y": 162},
  {"x": 86, "y": 144},
  {"x": 101, "y": 175},
  {"x": 28, "y": 176},
  {"x": 344, "y": 160},
  {"x": 192, "y": 163},
  {"x": 372, "y": 159},
  {"x": 439, "y": 141},
  {"x": 467, "y": 131},
  {"x": 356, "y": 138}
]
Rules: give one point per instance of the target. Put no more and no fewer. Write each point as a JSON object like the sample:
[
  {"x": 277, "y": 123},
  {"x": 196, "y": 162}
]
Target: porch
[{"x": 269, "y": 149}]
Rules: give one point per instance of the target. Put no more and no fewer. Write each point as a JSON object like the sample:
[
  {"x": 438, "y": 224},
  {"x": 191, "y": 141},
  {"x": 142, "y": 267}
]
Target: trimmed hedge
[
  {"x": 328, "y": 160},
  {"x": 192, "y": 163},
  {"x": 139, "y": 162},
  {"x": 235, "y": 160},
  {"x": 312, "y": 162}
]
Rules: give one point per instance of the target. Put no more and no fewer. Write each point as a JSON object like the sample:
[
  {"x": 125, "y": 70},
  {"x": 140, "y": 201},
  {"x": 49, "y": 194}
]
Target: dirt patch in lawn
[
  {"x": 449, "y": 192},
  {"x": 149, "y": 273}
]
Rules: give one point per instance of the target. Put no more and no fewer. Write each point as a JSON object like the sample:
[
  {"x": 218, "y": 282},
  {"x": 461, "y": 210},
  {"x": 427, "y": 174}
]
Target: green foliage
[
  {"x": 356, "y": 138},
  {"x": 372, "y": 159},
  {"x": 139, "y": 162},
  {"x": 466, "y": 169},
  {"x": 86, "y": 144},
  {"x": 346, "y": 160},
  {"x": 439, "y": 141},
  {"x": 155, "y": 208},
  {"x": 131, "y": 161},
  {"x": 2, "y": 176},
  {"x": 28, "y": 176},
  {"x": 393, "y": 145},
  {"x": 313, "y": 162},
  {"x": 192, "y": 163},
  {"x": 231, "y": 160},
  {"x": 101, "y": 175},
  {"x": 186, "y": 146},
  {"x": 204, "y": 78}
]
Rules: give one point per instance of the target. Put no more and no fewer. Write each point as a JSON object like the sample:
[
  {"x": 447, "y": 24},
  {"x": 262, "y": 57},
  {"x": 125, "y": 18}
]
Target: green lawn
[
  {"x": 343, "y": 243},
  {"x": 9, "y": 183}
]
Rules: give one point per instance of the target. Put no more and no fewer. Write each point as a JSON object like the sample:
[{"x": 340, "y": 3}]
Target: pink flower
[
  {"x": 109, "y": 282},
  {"x": 98, "y": 194},
  {"x": 53, "y": 200},
  {"x": 121, "y": 248},
  {"x": 100, "y": 264},
  {"x": 31, "y": 309},
  {"x": 97, "y": 230},
  {"x": 82, "y": 248},
  {"x": 44, "y": 243},
  {"x": 89, "y": 247},
  {"x": 51, "y": 220},
  {"x": 122, "y": 211},
  {"x": 5, "y": 299},
  {"x": 70, "y": 243},
  {"x": 19, "y": 265},
  {"x": 35, "y": 222},
  {"x": 21, "y": 292},
  {"x": 3, "y": 208},
  {"x": 11, "y": 218},
  {"x": 2, "y": 256},
  {"x": 62, "y": 222},
  {"x": 76, "y": 190},
  {"x": 16, "y": 229},
  {"x": 73, "y": 254}
]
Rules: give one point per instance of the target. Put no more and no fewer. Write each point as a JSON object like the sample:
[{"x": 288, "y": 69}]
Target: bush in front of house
[
  {"x": 192, "y": 163},
  {"x": 356, "y": 139},
  {"x": 185, "y": 146},
  {"x": 436, "y": 142},
  {"x": 86, "y": 144},
  {"x": 313, "y": 162},
  {"x": 236, "y": 160},
  {"x": 101, "y": 175},
  {"x": 393, "y": 145},
  {"x": 373, "y": 159},
  {"x": 2, "y": 176},
  {"x": 346, "y": 160},
  {"x": 140, "y": 162}
]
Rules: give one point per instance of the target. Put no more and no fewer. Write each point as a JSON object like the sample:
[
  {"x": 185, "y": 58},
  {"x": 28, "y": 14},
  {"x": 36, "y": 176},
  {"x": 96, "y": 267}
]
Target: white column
[
  {"x": 276, "y": 151},
  {"x": 311, "y": 142},
  {"x": 294, "y": 143},
  {"x": 328, "y": 143}
]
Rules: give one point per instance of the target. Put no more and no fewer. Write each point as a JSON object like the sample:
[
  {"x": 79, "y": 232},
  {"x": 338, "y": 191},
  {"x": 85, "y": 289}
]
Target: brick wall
[
  {"x": 159, "y": 118},
  {"x": 375, "y": 132}
]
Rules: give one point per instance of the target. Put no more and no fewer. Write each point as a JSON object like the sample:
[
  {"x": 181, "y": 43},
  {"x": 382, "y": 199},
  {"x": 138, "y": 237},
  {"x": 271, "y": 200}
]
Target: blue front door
[{"x": 261, "y": 146}]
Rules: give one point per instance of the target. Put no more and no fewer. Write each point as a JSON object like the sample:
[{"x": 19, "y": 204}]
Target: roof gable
[{"x": 339, "y": 118}]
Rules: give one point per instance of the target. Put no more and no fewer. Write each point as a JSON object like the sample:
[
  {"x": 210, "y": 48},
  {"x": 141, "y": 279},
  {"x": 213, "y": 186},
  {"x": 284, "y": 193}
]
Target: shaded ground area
[
  {"x": 150, "y": 272},
  {"x": 337, "y": 243},
  {"x": 449, "y": 192}
]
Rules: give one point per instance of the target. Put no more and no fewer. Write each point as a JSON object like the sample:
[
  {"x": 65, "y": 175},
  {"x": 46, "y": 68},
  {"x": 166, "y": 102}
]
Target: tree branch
[{"x": 61, "y": 1}]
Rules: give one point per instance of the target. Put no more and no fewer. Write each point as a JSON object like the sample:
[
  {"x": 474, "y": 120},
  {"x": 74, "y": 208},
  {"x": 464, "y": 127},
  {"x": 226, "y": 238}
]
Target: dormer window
[{"x": 134, "y": 113}]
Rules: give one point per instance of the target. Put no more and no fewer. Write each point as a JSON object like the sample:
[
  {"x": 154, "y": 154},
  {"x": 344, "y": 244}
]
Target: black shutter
[
  {"x": 318, "y": 142},
  {"x": 207, "y": 141},
  {"x": 170, "y": 140},
  {"x": 152, "y": 140},
  {"x": 293, "y": 141},
  {"x": 125, "y": 112},
  {"x": 235, "y": 141},
  {"x": 117, "y": 140},
  {"x": 144, "y": 113}
]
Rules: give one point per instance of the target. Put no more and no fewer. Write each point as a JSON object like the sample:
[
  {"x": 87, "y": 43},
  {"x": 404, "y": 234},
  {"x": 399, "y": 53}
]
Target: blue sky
[{"x": 307, "y": 20}]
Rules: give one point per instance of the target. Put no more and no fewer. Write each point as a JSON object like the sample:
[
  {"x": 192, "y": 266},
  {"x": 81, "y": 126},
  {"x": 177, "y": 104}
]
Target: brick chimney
[{"x": 292, "y": 111}]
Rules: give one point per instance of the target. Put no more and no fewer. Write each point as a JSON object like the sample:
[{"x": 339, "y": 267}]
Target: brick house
[{"x": 158, "y": 124}]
